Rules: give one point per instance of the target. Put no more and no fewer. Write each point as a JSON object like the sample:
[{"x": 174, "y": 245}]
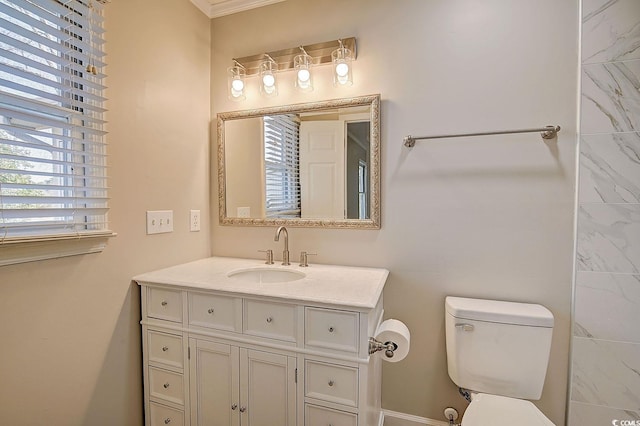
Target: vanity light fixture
[
  {"x": 302, "y": 64},
  {"x": 273, "y": 65},
  {"x": 341, "y": 58},
  {"x": 268, "y": 67},
  {"x": 236, "y": 75}
]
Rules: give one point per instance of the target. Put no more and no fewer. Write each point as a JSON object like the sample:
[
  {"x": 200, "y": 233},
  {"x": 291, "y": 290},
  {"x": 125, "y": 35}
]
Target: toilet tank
[{"x": 497, "y": 347}]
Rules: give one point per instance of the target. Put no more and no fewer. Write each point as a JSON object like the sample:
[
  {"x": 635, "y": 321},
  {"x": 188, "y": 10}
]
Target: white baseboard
[{"x": 394, "y": 418}]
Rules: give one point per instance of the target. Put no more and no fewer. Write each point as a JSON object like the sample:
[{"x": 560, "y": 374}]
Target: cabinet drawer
[
  {"x": 213, "y": 311},
  {"x": 165, "y": 304},
  {"x": 166, "y": 385},
  {"x": 322, "y": 416},
  {"x": 165, "y": 416},
  {"x": 331, "y": 329},
  {"x": 272, "y": 320},
  {"x": 165, "y": 348},
  {"x": 331, "y": 382}
]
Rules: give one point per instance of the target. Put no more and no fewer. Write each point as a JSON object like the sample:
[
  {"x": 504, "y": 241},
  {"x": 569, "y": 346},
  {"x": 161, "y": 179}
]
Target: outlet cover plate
[{"x": 194, "y": 221}]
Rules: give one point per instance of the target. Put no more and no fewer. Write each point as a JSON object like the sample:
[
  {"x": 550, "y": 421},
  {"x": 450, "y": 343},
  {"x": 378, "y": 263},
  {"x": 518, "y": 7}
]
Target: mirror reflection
[{"x": 304, "y": 165}]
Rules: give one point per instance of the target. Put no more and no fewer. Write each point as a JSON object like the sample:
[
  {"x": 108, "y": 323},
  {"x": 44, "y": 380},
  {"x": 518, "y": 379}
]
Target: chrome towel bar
[{"x": 548, "y": 132}]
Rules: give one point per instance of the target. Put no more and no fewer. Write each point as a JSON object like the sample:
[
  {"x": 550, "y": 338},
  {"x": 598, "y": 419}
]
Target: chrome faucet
[{"x": 285, "y": 253}]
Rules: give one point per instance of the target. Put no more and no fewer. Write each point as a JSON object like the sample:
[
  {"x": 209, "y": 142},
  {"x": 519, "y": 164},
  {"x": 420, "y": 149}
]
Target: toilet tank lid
[{"x": 498, "y": 311}]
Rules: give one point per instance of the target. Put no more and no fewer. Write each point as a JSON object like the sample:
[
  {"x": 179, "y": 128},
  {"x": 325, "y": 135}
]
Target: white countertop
[{"x": 326, "y": 284}]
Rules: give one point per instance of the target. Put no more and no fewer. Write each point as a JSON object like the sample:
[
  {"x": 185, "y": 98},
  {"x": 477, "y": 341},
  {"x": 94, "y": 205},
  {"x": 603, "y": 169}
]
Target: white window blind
[
  {"x": 282, "y": 165},
  {"x": 53, "y": 179}
]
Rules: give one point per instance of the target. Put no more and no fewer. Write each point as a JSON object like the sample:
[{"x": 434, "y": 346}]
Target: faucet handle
[
  {"x": 269, "y": 256},
  {"x": 304, "y": 261}
]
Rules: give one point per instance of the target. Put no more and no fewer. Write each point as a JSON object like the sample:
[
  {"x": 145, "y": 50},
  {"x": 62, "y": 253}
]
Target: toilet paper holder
[{"x": 376, "y": 346}]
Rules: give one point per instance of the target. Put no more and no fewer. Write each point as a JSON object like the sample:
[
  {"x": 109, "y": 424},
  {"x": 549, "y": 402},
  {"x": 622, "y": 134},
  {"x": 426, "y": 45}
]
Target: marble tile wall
[{"x": 605, "y": 383}]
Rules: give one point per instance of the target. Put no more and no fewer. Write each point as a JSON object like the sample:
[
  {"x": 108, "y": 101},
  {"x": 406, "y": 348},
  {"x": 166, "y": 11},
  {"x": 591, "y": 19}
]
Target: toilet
[{"x": 497, "y": 354}]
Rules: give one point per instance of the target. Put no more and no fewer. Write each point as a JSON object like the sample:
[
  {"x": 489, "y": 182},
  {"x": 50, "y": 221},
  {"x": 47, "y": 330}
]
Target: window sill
[{"x": 30, "y": 250}]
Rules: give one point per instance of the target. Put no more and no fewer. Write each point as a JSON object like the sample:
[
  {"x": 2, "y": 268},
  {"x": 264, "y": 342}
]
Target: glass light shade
[
  {"x": 269, "y": 86},
  {"x": 235, "y": 77},
  {"x": 342, "y": 75},
  {"x": 302, "y": 65}
]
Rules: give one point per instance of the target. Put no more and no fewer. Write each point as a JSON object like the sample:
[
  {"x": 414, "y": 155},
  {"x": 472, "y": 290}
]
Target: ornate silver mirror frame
[{"x": 372, "y": 222}]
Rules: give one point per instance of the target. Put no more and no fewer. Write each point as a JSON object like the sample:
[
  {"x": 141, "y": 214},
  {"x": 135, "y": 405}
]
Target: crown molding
[
  {"x": 203, "y": 5},
  {"x": 217, "y": 8}
]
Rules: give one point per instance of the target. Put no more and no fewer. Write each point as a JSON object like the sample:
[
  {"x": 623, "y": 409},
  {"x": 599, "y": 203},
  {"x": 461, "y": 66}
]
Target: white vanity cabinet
[
  {"x": 220, "y": 353},
  {"x": 231, "y": 385}
]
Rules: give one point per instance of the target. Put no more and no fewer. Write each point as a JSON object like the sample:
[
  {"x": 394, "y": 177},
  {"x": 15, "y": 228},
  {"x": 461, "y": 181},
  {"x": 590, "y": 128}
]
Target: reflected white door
[{"x": 322, "y": 169}]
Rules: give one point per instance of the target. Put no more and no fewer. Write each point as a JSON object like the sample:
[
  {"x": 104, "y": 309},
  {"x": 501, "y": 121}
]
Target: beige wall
[
  {"x": 244, "y": 166},
  {"x": 71, "y": 351},
  {"x": 483, "y": 217}
]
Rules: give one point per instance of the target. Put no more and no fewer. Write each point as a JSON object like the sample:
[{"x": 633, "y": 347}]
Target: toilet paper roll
[{"x": 397, "y": 332}]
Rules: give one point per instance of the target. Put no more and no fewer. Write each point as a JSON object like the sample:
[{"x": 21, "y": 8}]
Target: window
[
  {"x": 53, "y": 180},
  {"x": 282, "y": 165}
]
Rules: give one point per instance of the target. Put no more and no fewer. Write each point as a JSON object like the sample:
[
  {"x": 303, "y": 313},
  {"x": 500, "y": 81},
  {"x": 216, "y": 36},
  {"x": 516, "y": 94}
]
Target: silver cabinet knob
[
  {"x": 331, "y": 329},
  {"x": 269, "y": 319},
  {"x": 210, "y": 310},
  {"x": 330, "y": 382},
  {"x": 167, "y": 421},
  {"x": 234, "y": 406},
  {"x": 165, "y": 348},
  {"x": 166, "y": 385},
  {"x": 164, "y": 303},
  {"x": 243, "y": 409}
]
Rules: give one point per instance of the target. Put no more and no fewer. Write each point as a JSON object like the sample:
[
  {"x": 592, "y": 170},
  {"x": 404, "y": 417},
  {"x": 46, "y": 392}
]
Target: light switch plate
[{"x": 159, "y": 221}]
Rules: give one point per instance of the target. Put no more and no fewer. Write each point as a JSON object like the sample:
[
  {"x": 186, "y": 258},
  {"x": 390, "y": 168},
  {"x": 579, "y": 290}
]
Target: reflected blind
[
  {"x": 53, "y": 180},
  {"x": 282, "y": 165}
]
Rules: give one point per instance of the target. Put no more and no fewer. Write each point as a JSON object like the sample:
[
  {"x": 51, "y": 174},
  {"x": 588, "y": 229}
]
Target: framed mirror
[{"x": 307, "y": 165}]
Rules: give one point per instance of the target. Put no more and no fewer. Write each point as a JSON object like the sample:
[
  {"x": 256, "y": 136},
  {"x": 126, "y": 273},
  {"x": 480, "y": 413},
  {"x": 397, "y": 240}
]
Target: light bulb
[
  {"x": 304, "y": 75},
  {"x": 268, "y": 80},
  {"x": 342, "y": 69},
  {"x": 237, "y": 85}
]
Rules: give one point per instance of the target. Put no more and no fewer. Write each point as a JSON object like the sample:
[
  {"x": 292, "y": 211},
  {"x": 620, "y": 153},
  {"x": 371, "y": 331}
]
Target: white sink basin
[{"x": 266, "y": 275}]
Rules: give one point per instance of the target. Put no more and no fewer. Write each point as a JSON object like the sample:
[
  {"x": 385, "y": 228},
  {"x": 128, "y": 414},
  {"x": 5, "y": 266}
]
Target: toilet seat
[{"x": 494, "y": 410}]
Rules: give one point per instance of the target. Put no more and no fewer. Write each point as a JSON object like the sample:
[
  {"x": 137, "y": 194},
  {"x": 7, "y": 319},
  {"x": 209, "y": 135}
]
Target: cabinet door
[
  {"x": 267, "y": 389},
  {"x": 214, "y": 385}
]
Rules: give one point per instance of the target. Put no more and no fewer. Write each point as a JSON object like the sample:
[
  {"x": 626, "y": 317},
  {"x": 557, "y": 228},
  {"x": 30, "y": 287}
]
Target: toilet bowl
[{"x": 497, "y": 352}]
